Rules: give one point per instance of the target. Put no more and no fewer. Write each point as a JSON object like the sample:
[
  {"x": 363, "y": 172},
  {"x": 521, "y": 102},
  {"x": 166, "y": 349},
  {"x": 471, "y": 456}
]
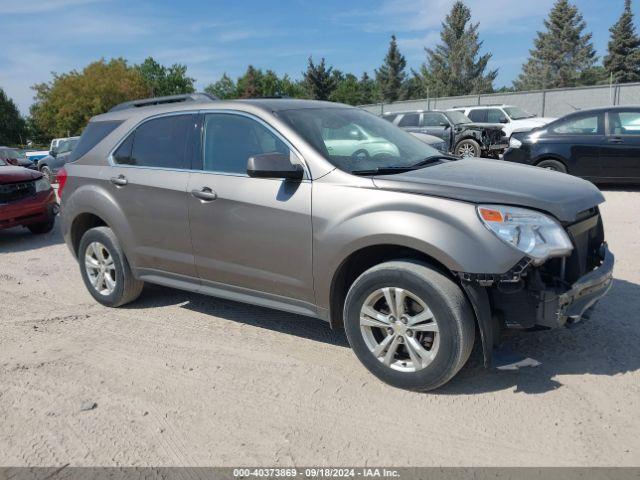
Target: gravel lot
[{"x": 184, "y": 379}]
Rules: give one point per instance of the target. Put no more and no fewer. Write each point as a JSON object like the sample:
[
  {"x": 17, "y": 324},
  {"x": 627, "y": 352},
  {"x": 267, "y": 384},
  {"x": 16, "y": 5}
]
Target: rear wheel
[
  {"x": 554, "y": 165},
  {"x": 105, "y": 270},
  {"x": 411, "y": 326},
  {"x": 468, "y": 148}
]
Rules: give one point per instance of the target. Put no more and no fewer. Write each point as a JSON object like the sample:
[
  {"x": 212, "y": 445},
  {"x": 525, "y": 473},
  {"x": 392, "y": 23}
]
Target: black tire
[
  {"x": 127, "y": 287},
  {"x": 554, "y": 165},
  {"x": 447, "y": 302},
  {"x": 48, "y": 174},
  {"x": 465, "y": 147},
  {"x": 42, "y": 227}
]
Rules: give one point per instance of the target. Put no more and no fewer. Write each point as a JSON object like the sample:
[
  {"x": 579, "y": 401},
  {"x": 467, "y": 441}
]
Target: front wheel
[
  {"x": 553, "y": 165},
  {"x": 468, "y": 148},
  {"x": 48, "y": 174},
  {"x": 410, "y": 325},
  {"x": 105, "y": 269}
]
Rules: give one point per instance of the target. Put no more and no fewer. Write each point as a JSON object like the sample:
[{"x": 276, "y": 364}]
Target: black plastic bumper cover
[{"x": 568, "y": 307}]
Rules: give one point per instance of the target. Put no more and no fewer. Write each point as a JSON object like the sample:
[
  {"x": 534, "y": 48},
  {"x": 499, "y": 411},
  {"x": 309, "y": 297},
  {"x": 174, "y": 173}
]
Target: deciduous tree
[{"x": 12, "y": 125}]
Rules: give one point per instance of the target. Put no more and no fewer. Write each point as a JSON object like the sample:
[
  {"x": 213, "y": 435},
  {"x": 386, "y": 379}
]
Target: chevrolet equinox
[{"x": 328, "y": 211}]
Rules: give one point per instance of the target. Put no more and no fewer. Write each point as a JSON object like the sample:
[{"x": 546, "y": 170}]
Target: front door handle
[
  {"x": 119, "y": 181},
  {"x": 616, "y": 140},
  {"x": 205, "y": 194}
]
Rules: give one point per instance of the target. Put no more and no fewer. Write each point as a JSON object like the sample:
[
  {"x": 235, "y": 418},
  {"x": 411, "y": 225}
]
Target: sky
[{"x": 214, "y": 37}]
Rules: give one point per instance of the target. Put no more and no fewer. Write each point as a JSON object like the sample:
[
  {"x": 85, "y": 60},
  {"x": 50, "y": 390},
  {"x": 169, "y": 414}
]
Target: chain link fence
[{"x": 544, "y": 103}]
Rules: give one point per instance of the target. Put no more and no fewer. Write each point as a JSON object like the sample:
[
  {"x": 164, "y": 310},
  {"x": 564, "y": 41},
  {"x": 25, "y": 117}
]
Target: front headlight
[
  {"x": 537, "y": 235},
  {"x": 42, "y": 185},
  {"x": 514, "y": 142}
]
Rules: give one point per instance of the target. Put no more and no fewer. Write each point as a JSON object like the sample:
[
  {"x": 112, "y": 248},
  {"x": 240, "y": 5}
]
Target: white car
[{"x": 515, "y": 119}]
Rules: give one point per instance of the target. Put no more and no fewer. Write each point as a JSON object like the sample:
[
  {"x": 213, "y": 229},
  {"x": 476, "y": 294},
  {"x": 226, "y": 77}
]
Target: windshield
[
  {"x": 516, "y": 113},
  {"x": 356, "y": 140},
  {"x": 457, "y": 117}
]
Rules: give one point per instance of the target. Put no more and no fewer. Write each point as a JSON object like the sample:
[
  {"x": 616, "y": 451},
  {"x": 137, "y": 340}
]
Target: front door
[
  {"x": 437, "y": 124},
  {"x": 148, "y": 180},
  {"x": 620, "y": 157},
  {"x": 250, "y": 233}
]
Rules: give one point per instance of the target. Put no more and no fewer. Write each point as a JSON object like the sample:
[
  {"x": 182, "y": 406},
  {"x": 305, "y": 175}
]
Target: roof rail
[
  {"x": 146, "y": 102},
  {"x": 479, "y": 106}
]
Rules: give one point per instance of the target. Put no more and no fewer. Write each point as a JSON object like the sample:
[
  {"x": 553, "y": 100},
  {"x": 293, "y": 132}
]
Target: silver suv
[{"x": 329, "y": 211}]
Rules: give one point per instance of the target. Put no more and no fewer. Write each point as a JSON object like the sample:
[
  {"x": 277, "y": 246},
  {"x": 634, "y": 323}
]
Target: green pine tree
[
  {"x": 163, "y": 81},
  {"x": 561, "y": 53},
  {"x": 391, "y": 75},
  {"x": 250, "y": 84},
  {"x": 320, "y": 80},
  {"x": 368, "y": 89},
  {"x": 12, "y": 126},
  {"x": 623, "y": 57}
]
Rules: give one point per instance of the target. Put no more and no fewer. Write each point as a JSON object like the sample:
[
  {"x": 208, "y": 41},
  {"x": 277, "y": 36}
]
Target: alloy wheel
[
  {"x": 100, "y": 268},
  {"x": 399, "y": 329},
  {"x": 466, "y": 151}
]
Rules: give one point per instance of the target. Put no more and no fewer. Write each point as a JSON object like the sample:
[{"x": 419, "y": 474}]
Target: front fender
[{"x": 348, "y": 219}]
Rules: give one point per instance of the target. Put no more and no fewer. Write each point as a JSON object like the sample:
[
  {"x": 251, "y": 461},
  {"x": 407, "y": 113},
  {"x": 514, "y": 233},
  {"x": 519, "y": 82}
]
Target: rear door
[
  {"x": 410, "y": 122},
  {"x": 149, "y": 181},
  {"x": 621, "y": 150}
]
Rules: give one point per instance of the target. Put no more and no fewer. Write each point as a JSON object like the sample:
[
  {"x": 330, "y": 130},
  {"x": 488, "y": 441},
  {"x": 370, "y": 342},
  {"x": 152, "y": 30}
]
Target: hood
[
  {"x": 478, "y": 180},
  {"x": 532, "y": 122},
  {"x": 17, "y": 174},
  {"x": 482, "y": 126}
]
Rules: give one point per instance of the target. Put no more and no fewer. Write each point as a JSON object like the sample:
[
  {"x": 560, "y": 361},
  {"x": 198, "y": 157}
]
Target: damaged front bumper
[{"x": 560, "y": 309}]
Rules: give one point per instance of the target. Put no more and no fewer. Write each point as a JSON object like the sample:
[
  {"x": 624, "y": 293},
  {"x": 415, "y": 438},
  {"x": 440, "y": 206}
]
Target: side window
[
  {"x": 478, "y": 115},
  {"x": 229, "y": 141},
  {"x": 495, "y": 115},
  {"x": 410, "y": 120},
  {"x": 582, "y": 125},
  {"x": 434, "y": 119},
  {"x": 160, "y": 142},
  {"x": 624, "y": 123},
  {"x": 122, "y": 155}
]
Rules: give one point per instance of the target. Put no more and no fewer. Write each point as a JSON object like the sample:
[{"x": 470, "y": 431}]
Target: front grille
[
  {"x": 587, "y": 236},
  {"x": 17, "y": 191}
]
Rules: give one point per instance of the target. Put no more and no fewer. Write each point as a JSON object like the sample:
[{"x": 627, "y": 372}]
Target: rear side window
[
  {"x": 93, "y": 134},
  {"x": 478, "y": 115},
  {"x": 434, "y": 119},
  {"x": 624, "y": 123},
  {"x": 160, "y": 142},
  {"x": 410, "y": 120}
]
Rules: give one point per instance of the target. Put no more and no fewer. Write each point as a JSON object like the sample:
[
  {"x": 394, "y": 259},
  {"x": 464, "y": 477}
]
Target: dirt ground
[{"x": 187, "y": 380}]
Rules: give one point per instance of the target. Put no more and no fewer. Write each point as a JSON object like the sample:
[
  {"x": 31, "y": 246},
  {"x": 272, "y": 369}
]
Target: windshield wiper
[
  {"x": 383, "y": 170},
  {"x": 432, "y": 159}
]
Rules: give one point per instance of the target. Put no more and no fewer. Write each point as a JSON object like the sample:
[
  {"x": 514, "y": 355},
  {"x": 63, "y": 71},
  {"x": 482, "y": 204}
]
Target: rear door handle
[
  {"x": 205, "y": 194},
  {"x": 616, "y": 140},
  {"x": 120, "y": 180}
]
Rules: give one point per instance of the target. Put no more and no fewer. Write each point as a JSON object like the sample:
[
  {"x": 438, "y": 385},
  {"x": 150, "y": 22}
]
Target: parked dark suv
[
  {"x": 57, "y": 158},
  {"x": 601, "y": 145},
  {"x": 463, "y": 137},
  {"x": 274, "y": 202}
]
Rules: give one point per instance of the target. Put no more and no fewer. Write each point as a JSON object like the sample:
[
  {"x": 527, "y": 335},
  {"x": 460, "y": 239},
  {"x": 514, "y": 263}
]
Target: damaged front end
[{"x": 556, "y": 292}]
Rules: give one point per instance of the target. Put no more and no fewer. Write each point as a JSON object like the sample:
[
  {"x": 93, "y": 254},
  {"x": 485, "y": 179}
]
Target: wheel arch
[
  {"x": 556, "y": 158},
  {"x": 365, "y": 258}
]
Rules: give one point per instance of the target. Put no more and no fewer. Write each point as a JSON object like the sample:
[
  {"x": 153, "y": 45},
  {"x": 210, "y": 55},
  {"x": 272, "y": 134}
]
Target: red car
[{"x": 26, "y": 198}]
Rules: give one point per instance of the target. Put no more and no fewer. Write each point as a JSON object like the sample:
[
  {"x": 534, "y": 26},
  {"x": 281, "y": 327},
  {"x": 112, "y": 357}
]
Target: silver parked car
[{"x": 326, "y": 210}]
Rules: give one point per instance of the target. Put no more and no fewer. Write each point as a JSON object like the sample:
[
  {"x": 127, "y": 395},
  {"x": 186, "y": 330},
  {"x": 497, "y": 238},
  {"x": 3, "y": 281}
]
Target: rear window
[
  {"x": 159, "y": 143},
  {"x": 93, "y": 134}
]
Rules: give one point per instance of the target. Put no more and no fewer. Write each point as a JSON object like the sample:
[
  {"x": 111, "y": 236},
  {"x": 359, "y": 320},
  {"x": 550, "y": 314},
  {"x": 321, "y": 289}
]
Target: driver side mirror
[
  {"x": 273, "y": 165},
  {"x": 53, "y": 152},
  {"x": 503, "y": 120}
]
